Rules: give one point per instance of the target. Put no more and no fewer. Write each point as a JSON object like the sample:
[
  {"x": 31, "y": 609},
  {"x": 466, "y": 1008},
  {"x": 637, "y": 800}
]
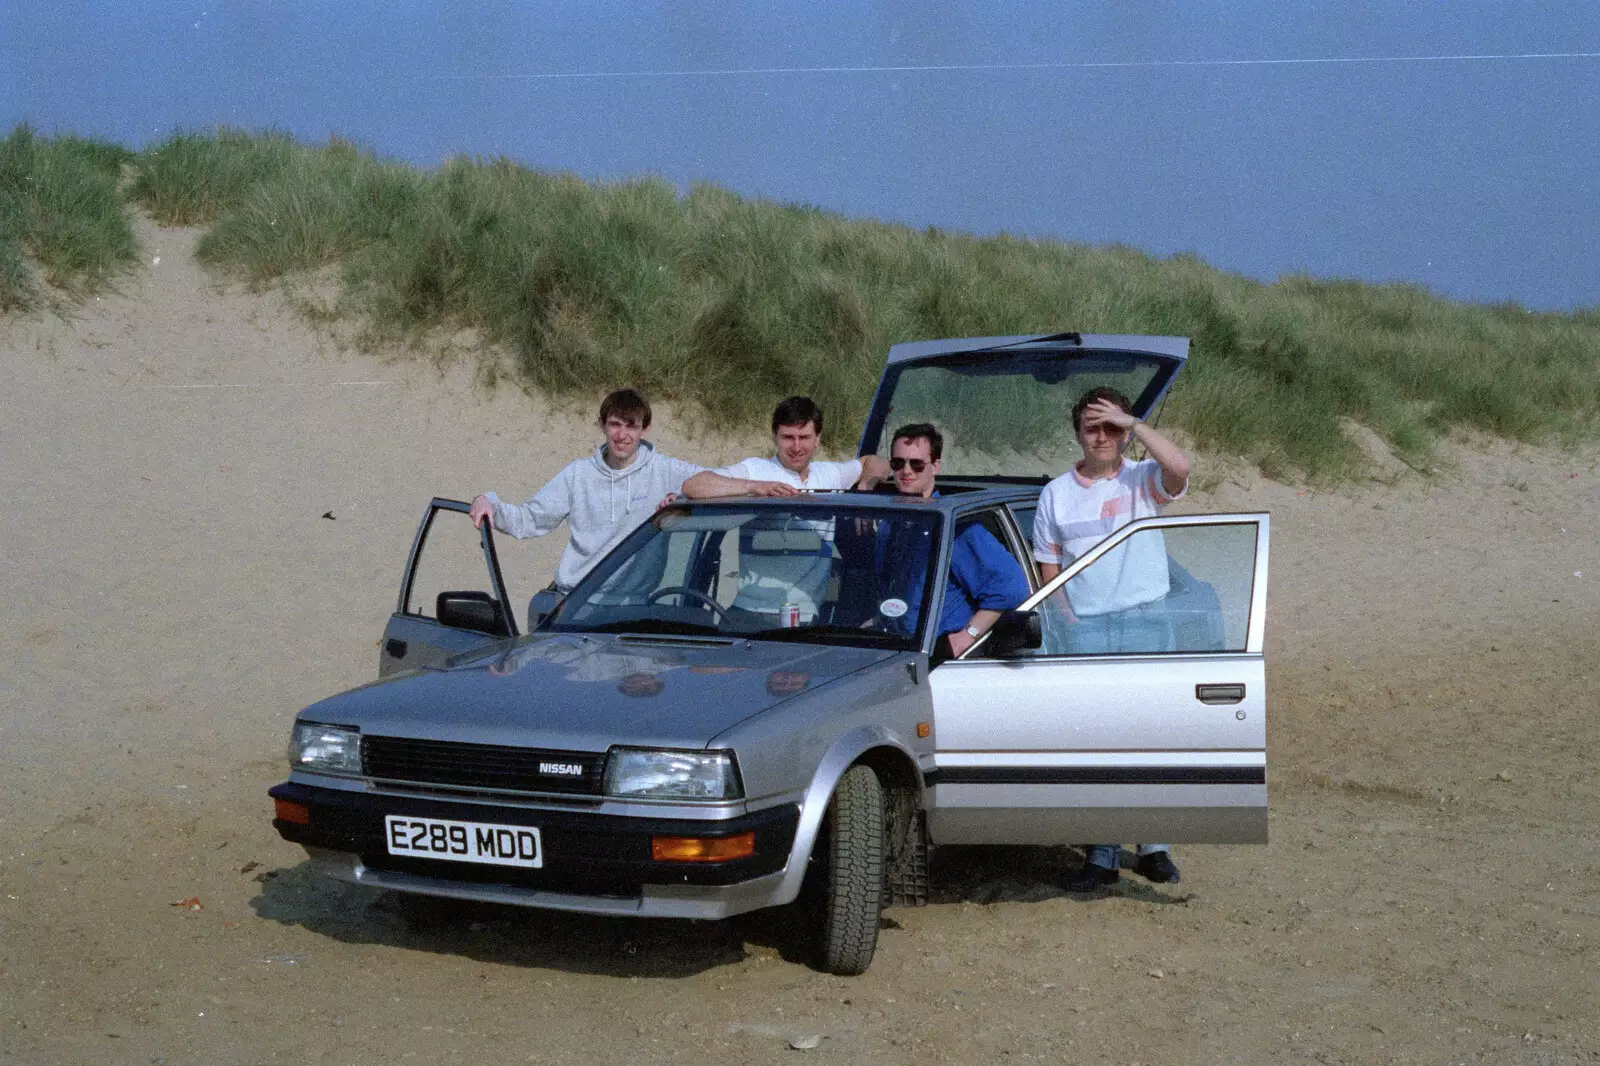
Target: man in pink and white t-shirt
[{"x": 1078, "y": 510}]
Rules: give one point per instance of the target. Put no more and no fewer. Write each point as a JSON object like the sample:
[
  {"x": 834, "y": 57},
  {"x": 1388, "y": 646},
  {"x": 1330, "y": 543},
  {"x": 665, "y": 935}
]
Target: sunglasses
[{"x": 917, "y": 465}]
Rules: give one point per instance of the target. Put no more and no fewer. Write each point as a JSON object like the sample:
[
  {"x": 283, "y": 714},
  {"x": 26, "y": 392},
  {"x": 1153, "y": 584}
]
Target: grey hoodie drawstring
[{"x": 641, "y": 459}]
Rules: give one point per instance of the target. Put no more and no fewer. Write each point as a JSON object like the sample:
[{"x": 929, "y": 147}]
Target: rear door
[
  {"x": 1004, "y": 403},
  {"x": 1145, "y": 723},
  {"x": 452, "y": 597}
]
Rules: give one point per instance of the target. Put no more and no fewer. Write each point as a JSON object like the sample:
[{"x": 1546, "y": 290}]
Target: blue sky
[{"x": 1448, "y": 144}]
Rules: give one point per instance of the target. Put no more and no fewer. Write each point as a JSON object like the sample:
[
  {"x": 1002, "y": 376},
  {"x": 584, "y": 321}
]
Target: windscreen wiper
[
  {"x": 820, "y": 633},
  {"x": 649, "y": 625}
]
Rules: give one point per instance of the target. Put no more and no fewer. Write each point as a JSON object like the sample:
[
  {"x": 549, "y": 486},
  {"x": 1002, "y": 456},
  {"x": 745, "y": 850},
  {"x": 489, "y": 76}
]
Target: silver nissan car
[{"x": 649, "y": 748}]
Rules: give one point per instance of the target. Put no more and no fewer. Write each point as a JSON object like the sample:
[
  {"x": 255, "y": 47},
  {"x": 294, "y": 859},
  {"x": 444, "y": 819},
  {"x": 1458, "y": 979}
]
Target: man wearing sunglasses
[{"x": 985, "y": 578}]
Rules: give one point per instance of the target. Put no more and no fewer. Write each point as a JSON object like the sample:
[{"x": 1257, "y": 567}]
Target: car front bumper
[{"x": 593, "y": 863}]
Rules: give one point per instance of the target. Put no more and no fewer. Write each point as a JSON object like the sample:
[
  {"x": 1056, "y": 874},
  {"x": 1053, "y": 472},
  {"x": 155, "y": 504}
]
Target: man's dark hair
[
  {"x": 797, "y": 411},
  {"x": 629, "y": 405},
  {"x": 921, "y": 431},
  {"x": 1103, "y": 392}
]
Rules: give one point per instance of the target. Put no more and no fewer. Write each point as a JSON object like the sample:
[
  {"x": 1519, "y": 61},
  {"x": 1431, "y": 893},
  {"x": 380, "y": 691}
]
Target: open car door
[
  {"x": 1004, "y": 403},
  {"x": 452, "y": 597},
  {"x": 1132, "y": 722}
]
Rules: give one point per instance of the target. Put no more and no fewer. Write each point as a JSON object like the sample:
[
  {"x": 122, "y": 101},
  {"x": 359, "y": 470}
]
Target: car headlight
[
  {"x": 707, "y": 775},
  {"x": 325, "y": 749}
]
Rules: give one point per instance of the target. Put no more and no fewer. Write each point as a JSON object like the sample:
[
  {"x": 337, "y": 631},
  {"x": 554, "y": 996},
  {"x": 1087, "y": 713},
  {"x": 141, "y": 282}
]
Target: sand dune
[{"x": 172, "y": 593}]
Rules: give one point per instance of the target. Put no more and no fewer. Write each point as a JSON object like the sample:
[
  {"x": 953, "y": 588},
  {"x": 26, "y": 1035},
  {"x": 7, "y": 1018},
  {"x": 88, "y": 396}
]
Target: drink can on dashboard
[{"x": 790, "y": 614}]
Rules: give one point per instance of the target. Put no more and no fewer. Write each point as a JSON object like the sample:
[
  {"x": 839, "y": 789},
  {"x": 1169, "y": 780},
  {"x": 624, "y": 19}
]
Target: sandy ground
[{"x": 172, "y": 593}]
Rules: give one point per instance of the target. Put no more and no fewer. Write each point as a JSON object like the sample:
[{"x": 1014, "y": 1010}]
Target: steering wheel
[{"x": 691, "y": 594}]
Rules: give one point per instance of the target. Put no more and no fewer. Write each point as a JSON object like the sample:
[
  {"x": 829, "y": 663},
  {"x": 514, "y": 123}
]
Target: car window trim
[{"x": 1025, "y": 543}]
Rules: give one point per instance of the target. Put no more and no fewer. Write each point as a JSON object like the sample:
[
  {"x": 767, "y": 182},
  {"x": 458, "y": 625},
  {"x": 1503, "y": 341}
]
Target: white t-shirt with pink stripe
[{"x": 1076, "y": 513}]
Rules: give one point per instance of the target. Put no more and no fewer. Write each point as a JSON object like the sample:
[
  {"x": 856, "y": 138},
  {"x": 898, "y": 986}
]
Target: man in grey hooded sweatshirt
[{"x": 603, "y": 496}]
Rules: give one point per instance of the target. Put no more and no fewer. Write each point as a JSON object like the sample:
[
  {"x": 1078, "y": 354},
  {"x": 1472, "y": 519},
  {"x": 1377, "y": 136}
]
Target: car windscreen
[
  {"x": 808, "y": 573},
  {"x": 1009, "y": 414}
]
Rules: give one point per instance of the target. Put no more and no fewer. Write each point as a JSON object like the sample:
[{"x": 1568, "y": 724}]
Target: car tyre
[
  {"x": 906, "y": 879},
  {"x": 849, "y": 886}
]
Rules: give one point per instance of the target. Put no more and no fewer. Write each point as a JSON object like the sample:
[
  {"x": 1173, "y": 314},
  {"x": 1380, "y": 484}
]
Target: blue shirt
[{"x": 984, "y": 576}]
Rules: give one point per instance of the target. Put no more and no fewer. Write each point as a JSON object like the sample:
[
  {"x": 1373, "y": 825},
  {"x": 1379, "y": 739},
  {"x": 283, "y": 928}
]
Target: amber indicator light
[
  {"x": 293, "y": 813},
  {"x": 702, "y": 849},
  {"x": 924, "y": 730}
]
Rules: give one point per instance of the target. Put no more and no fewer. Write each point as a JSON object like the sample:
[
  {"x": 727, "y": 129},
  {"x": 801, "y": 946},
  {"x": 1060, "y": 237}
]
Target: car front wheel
[{"x": 849, "y": 874}]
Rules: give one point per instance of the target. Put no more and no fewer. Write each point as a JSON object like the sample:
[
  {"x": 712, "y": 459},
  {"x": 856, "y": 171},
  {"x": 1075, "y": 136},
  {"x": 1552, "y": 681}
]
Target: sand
[{"x": 172, "y": 592}]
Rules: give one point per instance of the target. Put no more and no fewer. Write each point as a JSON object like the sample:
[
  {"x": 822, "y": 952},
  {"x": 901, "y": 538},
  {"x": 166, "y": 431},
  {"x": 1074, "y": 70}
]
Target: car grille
[{"x": 482, "y": 766}]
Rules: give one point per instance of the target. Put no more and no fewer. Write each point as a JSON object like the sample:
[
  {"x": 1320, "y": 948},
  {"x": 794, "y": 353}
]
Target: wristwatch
[{"x": 974, "y": 632}]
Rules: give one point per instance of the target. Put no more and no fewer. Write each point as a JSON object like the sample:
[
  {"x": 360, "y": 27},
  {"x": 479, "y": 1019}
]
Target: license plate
[{"x": 436, "y": 838}]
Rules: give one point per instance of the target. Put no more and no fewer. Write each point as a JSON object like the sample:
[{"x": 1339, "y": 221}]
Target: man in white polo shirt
[
  {"x": 787, "y": 575},
  {"x": 1078, "y": 510}
]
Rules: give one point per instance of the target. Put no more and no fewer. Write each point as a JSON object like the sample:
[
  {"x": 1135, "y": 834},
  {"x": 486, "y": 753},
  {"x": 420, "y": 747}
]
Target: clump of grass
[
  {"x": 62, "y": 222},
  {"x": 726, "y": 304},
  {"x": 331, "y": 205},
  {"x": 16, "y": 280},
  {"x": 193, "y": 178}
]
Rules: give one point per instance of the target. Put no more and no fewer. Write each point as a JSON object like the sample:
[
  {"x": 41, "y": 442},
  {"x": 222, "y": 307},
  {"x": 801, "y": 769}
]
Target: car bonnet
[{"x": 587, "y": 692}]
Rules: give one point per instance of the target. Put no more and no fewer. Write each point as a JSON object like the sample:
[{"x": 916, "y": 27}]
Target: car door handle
[
  {"x": 1219, "y": 694},
  {"x": 395, "y": 648}
]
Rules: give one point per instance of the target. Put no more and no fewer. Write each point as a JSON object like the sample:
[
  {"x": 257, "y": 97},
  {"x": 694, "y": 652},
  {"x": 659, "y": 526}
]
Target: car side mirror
[
  {"x": 542, "y": 606},
  {"x": 1012, "y": 632},
  {"x": 474, "y": 610}
]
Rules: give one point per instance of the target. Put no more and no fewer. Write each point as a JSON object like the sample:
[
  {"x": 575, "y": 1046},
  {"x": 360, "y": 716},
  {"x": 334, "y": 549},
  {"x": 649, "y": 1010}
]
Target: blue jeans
[
  {"x": 1105, "y": 855},
  {"x": 1137, "y": 630}
]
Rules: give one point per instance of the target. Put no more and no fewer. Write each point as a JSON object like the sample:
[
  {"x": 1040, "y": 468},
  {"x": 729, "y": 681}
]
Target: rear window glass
[{"x": 1011, "y": 415}]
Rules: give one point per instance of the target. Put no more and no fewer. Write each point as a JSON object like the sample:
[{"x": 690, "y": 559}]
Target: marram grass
[
  {"x": 63, "y": 225},
  {"x": 724, "y": 304}
]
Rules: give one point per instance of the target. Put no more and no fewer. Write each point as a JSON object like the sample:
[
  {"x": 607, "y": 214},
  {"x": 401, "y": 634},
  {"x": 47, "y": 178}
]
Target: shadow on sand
[
  {"x": 630, "y": 947},
  {"x": 1030, "y": 875}
]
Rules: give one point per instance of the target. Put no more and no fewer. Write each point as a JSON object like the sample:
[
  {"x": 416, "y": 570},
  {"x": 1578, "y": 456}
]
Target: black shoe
[
  {"x": 1158, "y": 867},
  {"x": 1092, "y": 878}
]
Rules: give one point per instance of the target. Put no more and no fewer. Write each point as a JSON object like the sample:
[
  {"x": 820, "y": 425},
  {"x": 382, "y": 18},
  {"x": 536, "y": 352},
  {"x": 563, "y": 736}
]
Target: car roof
[{"x": 955, "y": 497}]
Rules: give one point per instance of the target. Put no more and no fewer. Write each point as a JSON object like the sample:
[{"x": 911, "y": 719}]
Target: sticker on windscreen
[{"x": 892, "y": 608}]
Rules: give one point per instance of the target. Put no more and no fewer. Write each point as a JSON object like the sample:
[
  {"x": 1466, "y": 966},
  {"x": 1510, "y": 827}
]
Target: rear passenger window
[
  {"x": 1023, "y": 513},
  {"x": 989, "y": 520},
  {"x": 1001, "y": 530}
]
